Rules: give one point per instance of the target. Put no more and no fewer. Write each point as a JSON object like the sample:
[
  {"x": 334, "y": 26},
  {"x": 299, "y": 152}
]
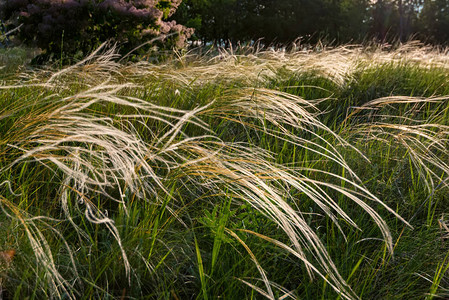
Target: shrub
[{"x": 75, "y": 27}]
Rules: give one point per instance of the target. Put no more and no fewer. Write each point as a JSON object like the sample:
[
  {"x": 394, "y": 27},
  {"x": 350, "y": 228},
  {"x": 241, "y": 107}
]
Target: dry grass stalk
[{"x": 96, "y": 153}]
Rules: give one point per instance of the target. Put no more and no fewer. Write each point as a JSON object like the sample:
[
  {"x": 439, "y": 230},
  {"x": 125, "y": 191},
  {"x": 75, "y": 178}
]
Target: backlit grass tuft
[{"x": 243, "y": 174}]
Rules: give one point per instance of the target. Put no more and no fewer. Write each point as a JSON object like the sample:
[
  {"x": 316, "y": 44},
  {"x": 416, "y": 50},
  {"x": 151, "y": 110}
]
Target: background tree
[
  {"x": 275, "y": 21},
  {"x": 77, "y": 26},
  {"x": 61, "y": 25},
  {"x": 213, "y": 20},
  {"x": 342, "y": 21},
  {"x": 355, "y": 16},
  {"x": 434, "y": 21},
  {"x": 382, "y": 19},
  {"x": 408, "y": 11}
]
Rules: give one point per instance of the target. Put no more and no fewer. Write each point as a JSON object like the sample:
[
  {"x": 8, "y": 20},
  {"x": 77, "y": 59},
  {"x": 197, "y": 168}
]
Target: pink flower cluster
[{"x": 137, "y": 9}]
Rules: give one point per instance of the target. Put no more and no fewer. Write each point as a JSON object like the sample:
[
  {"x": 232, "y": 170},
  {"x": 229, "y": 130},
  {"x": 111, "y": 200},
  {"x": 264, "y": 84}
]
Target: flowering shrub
[{"x": 78, "y": 26}]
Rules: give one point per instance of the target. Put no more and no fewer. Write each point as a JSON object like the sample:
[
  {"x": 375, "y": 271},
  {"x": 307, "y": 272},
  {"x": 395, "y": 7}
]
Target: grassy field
[{"x": 232, "y": 174}]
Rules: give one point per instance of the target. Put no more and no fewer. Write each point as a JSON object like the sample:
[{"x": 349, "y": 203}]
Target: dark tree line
[
  {"x": 77, "y": 26},
  {"x": 340, "y": 21}
]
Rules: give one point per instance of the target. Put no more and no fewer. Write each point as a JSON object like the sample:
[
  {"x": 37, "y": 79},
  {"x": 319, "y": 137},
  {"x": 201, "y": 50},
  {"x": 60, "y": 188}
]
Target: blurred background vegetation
[
  {"x": 337, "y": 21},
  {"x": 74, "y": 28}
]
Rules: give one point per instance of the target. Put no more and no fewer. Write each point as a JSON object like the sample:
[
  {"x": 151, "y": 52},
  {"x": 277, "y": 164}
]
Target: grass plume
[{"x": 145, "y": 161}]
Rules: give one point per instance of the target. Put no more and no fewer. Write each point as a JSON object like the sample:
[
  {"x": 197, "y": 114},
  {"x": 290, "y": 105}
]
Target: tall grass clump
[{"x": 206, "y": 175}]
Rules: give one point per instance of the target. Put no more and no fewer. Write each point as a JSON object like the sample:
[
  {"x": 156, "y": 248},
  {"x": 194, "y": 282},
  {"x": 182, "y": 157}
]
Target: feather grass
[{"x": 99, "y": 155}]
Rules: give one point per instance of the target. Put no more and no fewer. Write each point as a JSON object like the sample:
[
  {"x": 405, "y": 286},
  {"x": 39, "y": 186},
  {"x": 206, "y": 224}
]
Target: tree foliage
[
  {"x": 435, "y": 21},
  {"x": 277, "y": 21},
  {"x": 341, "y": 21},
  {"x": 74, "y": 26}
]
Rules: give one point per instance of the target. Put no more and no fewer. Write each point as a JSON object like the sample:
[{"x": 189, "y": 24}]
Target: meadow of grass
[{"x": 234, "y": 174}]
